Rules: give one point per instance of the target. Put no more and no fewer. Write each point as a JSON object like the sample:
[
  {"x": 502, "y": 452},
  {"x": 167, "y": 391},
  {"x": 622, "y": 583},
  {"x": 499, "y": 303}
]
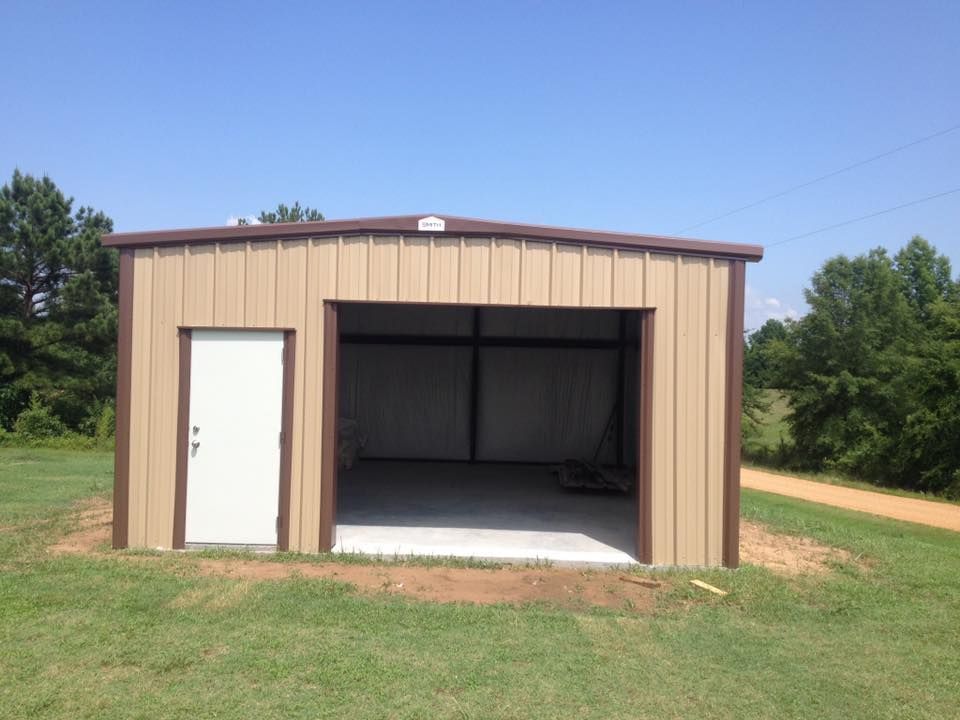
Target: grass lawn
[{"x": 122, "y": 636}]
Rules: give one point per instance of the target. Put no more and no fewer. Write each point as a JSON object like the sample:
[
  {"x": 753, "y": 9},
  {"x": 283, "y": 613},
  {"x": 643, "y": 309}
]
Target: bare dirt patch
[
  {"x": 94, "y": 520},
  {"x": 563, "y": 586},
  {"x": 786, "y": 554},
  {"x": 571, "y": 587}
]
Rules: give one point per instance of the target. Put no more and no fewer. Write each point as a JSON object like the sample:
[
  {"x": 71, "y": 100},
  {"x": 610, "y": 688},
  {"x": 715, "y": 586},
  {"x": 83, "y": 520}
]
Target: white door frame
[{"x": 183, "y": 430}]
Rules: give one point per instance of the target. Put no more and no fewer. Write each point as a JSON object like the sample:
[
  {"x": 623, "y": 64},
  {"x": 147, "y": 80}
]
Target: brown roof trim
[
  {"x": 455, "y": 226},
  {"x": 734, "y": 401}
]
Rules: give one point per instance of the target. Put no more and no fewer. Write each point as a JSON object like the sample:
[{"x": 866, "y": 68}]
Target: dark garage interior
[{"x": 454, "y": 420}]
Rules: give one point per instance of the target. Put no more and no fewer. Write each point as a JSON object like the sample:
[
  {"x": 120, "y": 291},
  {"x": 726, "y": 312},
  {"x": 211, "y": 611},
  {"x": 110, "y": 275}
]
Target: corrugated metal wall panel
[
  {"x": 661, "y": 288},
  {"x": 628, "y": 278},
  {"x": 597, "y": 277},
  {"x": 260, "y": 295},
  {"x": 199, "y": 274},
  {"x": 505, "y": 272},
  {"x": 283, "y": 284},
  {"x": 141, "y": 393},
  {"x": 535, "y": 265},
  {"x": 167, "y": 265},
  {"x": 444, "y": 266},
  {"x": 414, "y": 268},
  {"x": 354, "y": 268},
  {"x": 716, "y": 405},
  {"x": 229, "y": 285},
  {"x": 566, "y": 275},
  {"x": 291, "y": 313},
  {"x": 690, "y": 512},
  {"x": 384, "y": 268},
  {"x": 321, "y": 283},
  {"x": 475, "y": 270}
]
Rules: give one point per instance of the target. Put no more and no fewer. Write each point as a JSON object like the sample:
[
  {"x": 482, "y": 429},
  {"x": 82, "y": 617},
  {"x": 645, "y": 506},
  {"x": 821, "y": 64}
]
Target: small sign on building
[{"x": 431, "y": 224}]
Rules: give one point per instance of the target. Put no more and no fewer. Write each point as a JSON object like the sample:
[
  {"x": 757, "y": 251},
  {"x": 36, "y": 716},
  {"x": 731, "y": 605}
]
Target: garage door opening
[{"x": 487, "y": 432}]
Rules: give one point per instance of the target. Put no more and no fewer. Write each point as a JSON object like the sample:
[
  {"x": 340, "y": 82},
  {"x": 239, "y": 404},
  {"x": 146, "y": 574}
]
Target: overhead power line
[
  {"x": 864, "y": 217},
  {"x": 808, "y": 183}
]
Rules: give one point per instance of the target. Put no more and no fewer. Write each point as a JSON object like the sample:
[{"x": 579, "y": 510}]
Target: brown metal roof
[{"x": 455, "y": 226}]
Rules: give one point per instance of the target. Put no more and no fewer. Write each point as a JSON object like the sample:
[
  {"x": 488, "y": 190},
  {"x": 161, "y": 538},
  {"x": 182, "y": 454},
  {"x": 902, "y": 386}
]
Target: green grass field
[{"x": 117, "y": 636}]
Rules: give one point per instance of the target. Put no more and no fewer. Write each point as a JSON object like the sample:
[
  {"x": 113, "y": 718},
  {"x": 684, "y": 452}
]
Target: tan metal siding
[
  {"x": 715, "y": 417},
  {"x": 661, "y": 294},
  {"x": 505, "y": 272},
  {"x": 284, "y": 284},
  {"x": 414, "y": 268},
  {"x": 229, "y": 285},
  {"x": 291, "y": 313},
  {"x": 260, "y": 292},
  {"x": 141, "y": 391},
  {"x": 199, "y": 273}
]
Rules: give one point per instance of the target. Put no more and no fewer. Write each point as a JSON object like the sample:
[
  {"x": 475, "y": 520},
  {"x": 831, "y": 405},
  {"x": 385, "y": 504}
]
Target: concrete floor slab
[{"x": 502, "y": 511}]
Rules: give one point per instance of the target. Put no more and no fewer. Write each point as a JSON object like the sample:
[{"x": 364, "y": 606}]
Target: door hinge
[
  {"x": 283, "y": 357},
  {"x": 278, "y": 523},
  {"x": 281, "y": 439}
]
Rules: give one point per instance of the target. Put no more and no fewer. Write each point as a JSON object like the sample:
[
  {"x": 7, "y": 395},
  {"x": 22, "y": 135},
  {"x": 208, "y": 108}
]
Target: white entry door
[{"x": 233, "y": 457}]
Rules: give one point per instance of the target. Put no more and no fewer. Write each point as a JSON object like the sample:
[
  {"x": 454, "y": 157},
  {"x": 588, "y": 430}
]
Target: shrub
[
  {"x": 38, "y": 421},
  {"x": 106, "y": 424}
]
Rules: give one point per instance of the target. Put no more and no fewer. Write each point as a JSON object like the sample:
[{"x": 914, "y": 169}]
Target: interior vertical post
[
  {"x": 474, "y": 383},
  {"x": 621, "y": 368}
]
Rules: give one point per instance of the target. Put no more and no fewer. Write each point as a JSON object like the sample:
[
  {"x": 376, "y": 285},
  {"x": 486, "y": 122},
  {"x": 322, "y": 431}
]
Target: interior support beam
[
  {"x": 621, "y": 367},
  {"x": 470, "y": 341},
  {"x": 474, "y": 384}
]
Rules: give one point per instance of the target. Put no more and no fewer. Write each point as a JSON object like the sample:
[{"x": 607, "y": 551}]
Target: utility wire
[
  {"x": 808, "y": 183},
  {"x": 864, "y": 217}
]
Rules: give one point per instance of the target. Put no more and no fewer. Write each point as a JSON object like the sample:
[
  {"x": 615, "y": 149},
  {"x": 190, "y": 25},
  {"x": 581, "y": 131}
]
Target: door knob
[{"x": 195, "y": 444}]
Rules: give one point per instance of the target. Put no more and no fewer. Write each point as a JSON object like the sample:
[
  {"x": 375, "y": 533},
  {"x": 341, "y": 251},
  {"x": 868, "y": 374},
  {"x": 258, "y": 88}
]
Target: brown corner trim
[
  {"x": 645, "y": 441},
  {"x": 121, "y": 462},
  {"x": 329, "y": 415},
  {"x": 183, "y": 440},
  {"x": 286, "y": 428},
  {"x": 734, "y": 400}
]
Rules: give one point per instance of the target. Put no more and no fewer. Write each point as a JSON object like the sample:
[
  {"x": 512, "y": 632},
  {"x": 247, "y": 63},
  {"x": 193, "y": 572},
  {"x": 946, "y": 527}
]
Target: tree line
[
  {"x": 58, "y": 312},
  {"x": 871, "y": 373}
]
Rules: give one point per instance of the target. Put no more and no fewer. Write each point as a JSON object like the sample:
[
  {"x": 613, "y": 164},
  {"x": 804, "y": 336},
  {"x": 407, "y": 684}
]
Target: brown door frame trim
[
  {"x": 330, "y": 414},
  {"x": 734, "y": 401},
  {"x": 645, "y": 440},
  {"x": 121, "y": 458},
  {"x": 183, "y": 433}
]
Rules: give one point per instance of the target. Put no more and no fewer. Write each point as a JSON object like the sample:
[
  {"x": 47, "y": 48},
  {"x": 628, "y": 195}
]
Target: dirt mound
[
  {"x": 786, "y": 554},
  {"x": 570, "y": 587},
  {"x": 564, "y": 586}
]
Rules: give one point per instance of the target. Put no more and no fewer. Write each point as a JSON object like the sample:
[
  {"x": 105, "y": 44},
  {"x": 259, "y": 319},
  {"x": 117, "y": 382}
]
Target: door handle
[{"x": 195, "y": 444}]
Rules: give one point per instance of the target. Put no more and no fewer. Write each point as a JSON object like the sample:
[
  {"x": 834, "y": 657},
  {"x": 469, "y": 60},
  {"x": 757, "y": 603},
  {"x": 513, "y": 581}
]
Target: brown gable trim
[
  {"x": 734, "y": 399},
  {"x": 455, "y": 227},
  {"x": 121, "y": 462}
]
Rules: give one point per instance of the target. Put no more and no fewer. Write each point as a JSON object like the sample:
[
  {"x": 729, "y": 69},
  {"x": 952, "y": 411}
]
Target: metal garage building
[{"x": 466, "y": 356}]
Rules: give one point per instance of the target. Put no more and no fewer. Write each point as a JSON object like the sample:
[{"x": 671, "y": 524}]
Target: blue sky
[{"x": 645, "y": 117}]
